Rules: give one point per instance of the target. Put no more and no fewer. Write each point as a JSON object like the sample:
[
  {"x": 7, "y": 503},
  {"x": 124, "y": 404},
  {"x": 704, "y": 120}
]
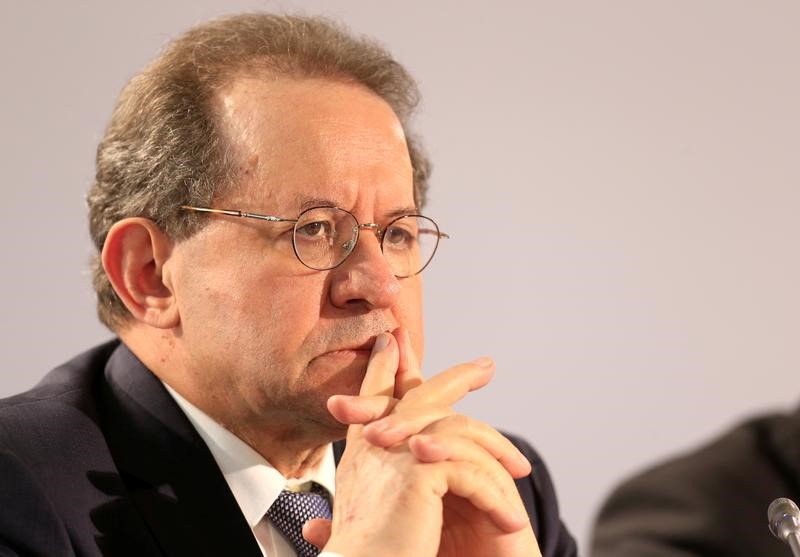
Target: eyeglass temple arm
[
  {"x": 434, "y": 232},
  {"x": 237, "y": 214},
  {"x": 280, "y": 219}
]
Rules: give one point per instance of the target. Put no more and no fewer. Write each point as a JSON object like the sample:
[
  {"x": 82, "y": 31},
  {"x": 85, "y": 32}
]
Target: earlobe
[{"x": 135, "y": 256}]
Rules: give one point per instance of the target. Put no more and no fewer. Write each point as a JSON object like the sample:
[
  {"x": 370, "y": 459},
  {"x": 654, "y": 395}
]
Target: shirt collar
[{"x": 254, "y": 482}]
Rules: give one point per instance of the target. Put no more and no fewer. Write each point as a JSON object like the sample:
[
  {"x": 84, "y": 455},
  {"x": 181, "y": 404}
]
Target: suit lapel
[
  {"x": 338, "y": 450},
  {"x": 171, "y": 477}
]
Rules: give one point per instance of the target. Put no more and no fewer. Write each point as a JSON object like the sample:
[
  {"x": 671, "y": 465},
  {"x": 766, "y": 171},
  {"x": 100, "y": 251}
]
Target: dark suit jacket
[
  {"x": 98, "y": 459},
  {"x": 712, "y": 502}
]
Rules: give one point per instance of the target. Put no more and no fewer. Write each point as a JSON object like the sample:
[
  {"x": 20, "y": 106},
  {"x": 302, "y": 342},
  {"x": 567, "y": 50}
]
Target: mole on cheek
[{"x": 251, "y": 164}]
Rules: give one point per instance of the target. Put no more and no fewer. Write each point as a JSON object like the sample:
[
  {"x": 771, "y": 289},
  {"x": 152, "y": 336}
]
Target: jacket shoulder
[
  {"x": 50, "y": 445},
  {"x": 539, "y": 496},
  {"x": 54, "y": 413}
]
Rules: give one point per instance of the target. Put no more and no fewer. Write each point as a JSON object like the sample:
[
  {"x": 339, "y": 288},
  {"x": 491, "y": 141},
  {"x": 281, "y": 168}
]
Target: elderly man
[{"x": 256, "y": 212}]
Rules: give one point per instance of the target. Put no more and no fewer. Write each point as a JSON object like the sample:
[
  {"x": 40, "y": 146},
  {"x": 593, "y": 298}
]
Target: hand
[
  {"x": 476, "y": 516},
  {"x": 426, "y": 407}
]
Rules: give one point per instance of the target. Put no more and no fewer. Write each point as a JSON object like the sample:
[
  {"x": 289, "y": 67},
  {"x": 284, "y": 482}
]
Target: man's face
[{"x": 267, "y": 338}]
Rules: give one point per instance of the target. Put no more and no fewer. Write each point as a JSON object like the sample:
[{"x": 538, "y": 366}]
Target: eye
[
  {"x": 399, "y": 237},
  {"x": 316, "y": 229}
]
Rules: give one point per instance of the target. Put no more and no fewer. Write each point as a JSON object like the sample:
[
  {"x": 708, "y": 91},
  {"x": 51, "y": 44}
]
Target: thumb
[{"x": 317, "y": 531}]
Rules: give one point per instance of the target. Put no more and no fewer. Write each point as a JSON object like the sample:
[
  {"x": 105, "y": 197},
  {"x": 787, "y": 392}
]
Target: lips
[
  {"x": 346, "y": 354},
  {"x": 365, "y": 348},
  {"x": 351, "y": 349}
]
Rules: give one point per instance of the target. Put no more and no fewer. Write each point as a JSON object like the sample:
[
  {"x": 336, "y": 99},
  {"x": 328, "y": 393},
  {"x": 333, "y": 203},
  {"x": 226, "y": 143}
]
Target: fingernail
[
  {"x": 483, "y": 361},
  {"x": 381, "y": 342}
]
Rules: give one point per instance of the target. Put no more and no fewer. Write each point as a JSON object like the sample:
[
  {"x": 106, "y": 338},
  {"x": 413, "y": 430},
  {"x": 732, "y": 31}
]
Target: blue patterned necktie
[{"x": 292, "y": 509}]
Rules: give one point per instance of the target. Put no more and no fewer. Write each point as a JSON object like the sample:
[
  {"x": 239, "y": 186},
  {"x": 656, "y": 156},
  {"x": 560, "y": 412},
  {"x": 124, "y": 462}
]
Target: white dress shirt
[{"x": 255, "y": 484}]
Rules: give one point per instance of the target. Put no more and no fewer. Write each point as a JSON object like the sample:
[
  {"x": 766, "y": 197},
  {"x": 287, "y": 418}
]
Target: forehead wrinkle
[
  {"x": 328, "y": 154},
  {"x": 358, "y": 148}
]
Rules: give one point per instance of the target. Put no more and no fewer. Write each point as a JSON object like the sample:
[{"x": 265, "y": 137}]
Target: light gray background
[{"x": 620, "y": 180}]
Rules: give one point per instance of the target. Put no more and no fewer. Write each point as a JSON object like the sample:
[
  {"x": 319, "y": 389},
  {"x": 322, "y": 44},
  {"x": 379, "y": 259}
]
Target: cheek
[
  {"x": 215, "y": 313},
  {"x": 248, "y": 309},
  {"x": 293, "y": 304}
]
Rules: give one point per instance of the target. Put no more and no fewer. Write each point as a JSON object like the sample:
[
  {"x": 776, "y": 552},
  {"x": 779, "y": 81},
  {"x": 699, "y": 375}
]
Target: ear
[{"x": 134, "y": 257}]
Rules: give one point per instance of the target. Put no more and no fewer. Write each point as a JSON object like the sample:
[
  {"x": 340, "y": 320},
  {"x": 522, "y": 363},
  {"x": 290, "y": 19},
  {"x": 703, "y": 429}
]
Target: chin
[
  {"x": 333, "y": 430},
  {"x": 340, "y": 373}
]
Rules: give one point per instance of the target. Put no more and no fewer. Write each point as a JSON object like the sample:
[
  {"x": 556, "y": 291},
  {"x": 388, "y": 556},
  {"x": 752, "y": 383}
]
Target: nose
[{"x": 365, "y": 278}]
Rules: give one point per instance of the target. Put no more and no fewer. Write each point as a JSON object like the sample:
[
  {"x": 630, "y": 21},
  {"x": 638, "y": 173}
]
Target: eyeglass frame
[{"x": 374, "y": 227}]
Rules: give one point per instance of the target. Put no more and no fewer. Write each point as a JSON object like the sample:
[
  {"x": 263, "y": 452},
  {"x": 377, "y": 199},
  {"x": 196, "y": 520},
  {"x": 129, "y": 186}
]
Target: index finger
[
  {"x": 451, "y": 385},
  {"x": 381, "y": 368},
  {"x": 409, "y": 373}
]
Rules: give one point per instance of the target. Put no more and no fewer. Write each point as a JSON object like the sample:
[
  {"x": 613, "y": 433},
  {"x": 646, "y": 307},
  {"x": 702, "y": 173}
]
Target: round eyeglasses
[{"x": 324, "y": 237}]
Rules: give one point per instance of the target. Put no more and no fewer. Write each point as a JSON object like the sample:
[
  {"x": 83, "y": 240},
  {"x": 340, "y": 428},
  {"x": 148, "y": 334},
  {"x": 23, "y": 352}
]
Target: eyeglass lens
[{"x": 325, "y": 236}]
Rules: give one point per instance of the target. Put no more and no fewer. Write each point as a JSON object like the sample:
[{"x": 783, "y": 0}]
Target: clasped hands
[{"x": 418, "y": 479}]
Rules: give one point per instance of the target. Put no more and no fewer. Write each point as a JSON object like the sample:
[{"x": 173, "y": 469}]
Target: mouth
[
  {"x": 350, "y": 350},
  {"x": 363, "y": 349},
  {"x": 348, "y": 353}
]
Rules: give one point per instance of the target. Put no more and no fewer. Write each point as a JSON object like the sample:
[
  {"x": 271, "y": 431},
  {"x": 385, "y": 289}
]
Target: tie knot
[{"x": 292, "y": 509}]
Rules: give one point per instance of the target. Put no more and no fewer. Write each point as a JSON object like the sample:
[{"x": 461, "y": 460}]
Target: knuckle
[{"x": 459, "y": 422}]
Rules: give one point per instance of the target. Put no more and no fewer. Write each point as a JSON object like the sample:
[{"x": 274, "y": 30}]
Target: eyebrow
[
  {"x": 409, "y": 210},
  {"x": 308, "y": 203}
]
